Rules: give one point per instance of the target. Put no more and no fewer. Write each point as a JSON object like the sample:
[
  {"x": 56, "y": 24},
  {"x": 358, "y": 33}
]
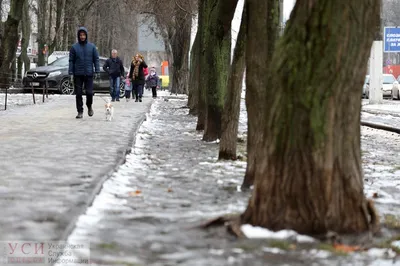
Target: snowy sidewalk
[
  {"x": 387, "y": 113},
  {"x": 52, "y": 163},
  {"x": 147, "y": 211}
]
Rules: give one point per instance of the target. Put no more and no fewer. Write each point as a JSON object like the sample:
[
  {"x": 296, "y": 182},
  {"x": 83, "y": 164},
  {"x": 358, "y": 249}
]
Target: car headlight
[{"x": 53, "y": 74}]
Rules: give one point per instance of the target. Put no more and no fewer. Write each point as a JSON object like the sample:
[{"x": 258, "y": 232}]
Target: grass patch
[
  {"x": 284, "y": 245},
  {"x": 330, "y": 248},
  {"x": 248, "y": 247},
  {"x": 388, "y": 244},
  {"x": 110, "y": 246},
  {"x": 391, "y": 221}
]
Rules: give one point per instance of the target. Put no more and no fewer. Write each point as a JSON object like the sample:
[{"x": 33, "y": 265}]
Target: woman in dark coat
[{"x": 137, "y": 75}]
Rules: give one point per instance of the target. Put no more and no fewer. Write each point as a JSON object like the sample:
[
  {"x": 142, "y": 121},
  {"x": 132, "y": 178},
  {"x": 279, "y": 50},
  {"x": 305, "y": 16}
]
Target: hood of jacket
[
  {"x": 85, "y": 31},
  {"x": 153, "y": 69}
]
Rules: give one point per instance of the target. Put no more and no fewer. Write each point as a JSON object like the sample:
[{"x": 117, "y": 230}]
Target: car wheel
[
  {"x": 121, "y": 90},
  {"x": 66, "y": 87}
]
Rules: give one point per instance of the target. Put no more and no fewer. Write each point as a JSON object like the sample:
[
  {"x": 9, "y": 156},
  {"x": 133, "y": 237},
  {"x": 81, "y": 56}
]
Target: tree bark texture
[
  {"x": 231, "y": 112},
  {"x": 42, "y": 33},
  {"x": 180, "y": 45},
  {"x": 263, "y": 20},
  {"x": 194, "y": 76},
  {"x": 56, "y": 43},
  {"x": 9, "y": 42},
  {"x": 23, "y": 58},
  {"x": 309, "y": 175},
  {"x": 217, "y": 35},
  {"x": 201, "y": 30},
  {"x": 49, "y": 27}
]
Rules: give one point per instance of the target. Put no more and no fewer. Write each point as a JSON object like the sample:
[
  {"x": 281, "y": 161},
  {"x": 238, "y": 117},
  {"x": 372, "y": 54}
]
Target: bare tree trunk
[
  {"x": 65, "y": 29},
  {"x": 180, "y": 45},
  {"x": 194, "y": 76},
  {"x": 9, "y": 42},
  {"x": 60, "y": 9},
  {"x": 218, "y": 20},
  {"x": 23, "y": 58},
  {"x": 50, "y": 19},
  {"x": 231, "y": 112},
  {"x": 201, "y": 30},
  {"x": 309, "y": 175},
  {"x": 41, "y": 19},
  {"x": 256, "y": 75}
]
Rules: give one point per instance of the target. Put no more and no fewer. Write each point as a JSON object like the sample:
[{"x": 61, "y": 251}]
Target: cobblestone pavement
[
  {"x": 147, "y": 212},
  {"x": 51, "y": 163}
]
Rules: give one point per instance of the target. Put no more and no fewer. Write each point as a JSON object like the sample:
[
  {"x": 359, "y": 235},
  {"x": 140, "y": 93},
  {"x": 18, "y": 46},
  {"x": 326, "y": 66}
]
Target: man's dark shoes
[
  {"x": 136, "y": 100},
  {"x": 90, "y": 111},
  {"x": 113, "y": 100},
  {"x": 140, "y": 99},
  {"x": 79, "y": 116},
  {"x": 117, "y": 100}
]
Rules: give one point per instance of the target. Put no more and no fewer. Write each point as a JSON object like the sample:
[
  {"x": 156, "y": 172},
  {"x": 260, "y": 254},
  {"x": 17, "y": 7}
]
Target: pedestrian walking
[
  {"x": 83, "y": 57},
  {"x": 137, "y": 75},
  {"x": 115, "y": 69},
  {"x": 128, "y": 88},
  {"x": 153, "y": 82}
]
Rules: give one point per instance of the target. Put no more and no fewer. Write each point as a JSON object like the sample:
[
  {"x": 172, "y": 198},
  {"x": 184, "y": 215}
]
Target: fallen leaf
[
  {"x": 292, "y": 247},
  {"x": 375, "y": 195},
  {"x": 170, "y": 190},
  {"x": 135, "y": 193},
  {"x": 345, "y": 248}
]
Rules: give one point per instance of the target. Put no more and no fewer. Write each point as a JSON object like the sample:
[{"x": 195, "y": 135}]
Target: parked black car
[{"x": 56, "y": 75}]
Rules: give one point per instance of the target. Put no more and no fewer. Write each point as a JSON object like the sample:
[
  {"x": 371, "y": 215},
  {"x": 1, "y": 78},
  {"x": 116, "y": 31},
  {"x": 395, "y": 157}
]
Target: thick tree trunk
[
  {"x": 194, "y": 76},
  {"x": 218, "y": 18},
  {"x": 180, "y": 51},
  {"x": 231, "y": 112},
  {"x": 309, "y": 175},
  {"x": 9, "y": 42},
  {"x": 262, "y": 18},
  {"x": 202, "y": 31}
]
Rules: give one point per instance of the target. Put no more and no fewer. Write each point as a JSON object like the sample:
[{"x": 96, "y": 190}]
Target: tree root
[
  {"x": 232, "y": 222},
  {"x": 371, "y": 216}
]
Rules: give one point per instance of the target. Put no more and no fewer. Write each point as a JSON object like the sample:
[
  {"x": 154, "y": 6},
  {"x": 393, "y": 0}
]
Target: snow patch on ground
[{"x": 259, "y": 232}]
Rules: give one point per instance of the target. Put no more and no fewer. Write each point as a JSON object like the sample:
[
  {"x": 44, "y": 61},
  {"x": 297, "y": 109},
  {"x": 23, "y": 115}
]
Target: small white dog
[{"x": 109, "y": 111}]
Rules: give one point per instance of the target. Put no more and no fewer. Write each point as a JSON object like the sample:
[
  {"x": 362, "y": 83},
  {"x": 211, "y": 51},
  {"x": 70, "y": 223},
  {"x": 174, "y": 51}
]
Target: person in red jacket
[{"x": 137, "y": 76}]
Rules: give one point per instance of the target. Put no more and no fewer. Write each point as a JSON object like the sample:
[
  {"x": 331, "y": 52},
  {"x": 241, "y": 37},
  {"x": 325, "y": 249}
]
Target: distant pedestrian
[
  {"x": 128, "y": 88},
  {"x": 115, "y": 69},
  {"x": 83, "y": 57},
  {"x": 137, "y": 75},
  {"x": 153, "y": 82}
]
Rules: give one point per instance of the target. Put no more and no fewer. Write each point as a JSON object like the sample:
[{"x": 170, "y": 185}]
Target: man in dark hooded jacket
[{"x": 83, "y": 57}]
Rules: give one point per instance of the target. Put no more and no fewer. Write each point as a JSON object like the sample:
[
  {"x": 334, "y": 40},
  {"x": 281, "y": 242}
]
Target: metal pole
[
  {"x": 5, "y": 101},
  {"x": 33, "y": 94}
]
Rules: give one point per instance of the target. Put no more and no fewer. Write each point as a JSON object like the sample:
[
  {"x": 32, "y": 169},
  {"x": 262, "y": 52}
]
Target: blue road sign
[{"x": 391, "y": 40}]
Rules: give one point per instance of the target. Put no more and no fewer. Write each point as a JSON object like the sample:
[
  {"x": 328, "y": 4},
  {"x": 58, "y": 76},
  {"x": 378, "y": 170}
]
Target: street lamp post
[{"x": 376, "y": 65}]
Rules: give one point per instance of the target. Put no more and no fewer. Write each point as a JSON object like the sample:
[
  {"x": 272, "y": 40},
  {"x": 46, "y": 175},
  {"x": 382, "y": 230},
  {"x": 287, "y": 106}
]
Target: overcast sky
[{"x": 287, "y": 8}]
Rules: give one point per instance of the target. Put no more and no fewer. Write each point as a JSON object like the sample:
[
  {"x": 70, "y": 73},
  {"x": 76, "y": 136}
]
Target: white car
[{"x": 390, "y": 87}]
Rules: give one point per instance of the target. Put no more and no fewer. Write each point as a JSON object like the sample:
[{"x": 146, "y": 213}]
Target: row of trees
[
  {"x": 303, "y": 106},
  {"x": 111, "y": 24}
]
